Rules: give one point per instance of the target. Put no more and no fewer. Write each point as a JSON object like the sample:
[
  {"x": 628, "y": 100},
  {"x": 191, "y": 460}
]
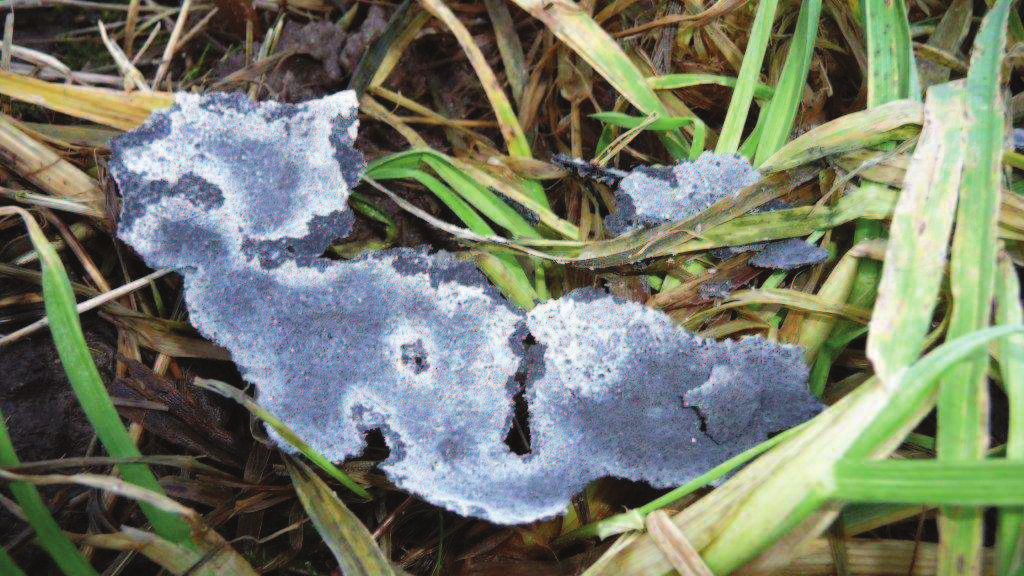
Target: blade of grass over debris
[
  {"x": 781, "y": 111},
  {"x": 87, "y": 384},
  {"x": 915, "y": 261},
  {"x": 890, "y": 122},
  {"x": 750, "y": 74},
  {"x": 578, "y": 30},
  {"x": 963, "y": 404},
  {"x": 700, "y": 130},
  {"x": 324, "y": 464},
  {"x": 509, "y": 46},
  {"x": 352, "y": 544},
  {"x": 1010, "y": 537},
  {"x": 48, "y": 533}
]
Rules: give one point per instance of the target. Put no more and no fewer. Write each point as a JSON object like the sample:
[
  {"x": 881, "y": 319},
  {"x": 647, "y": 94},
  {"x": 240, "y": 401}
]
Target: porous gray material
[
  {"x": 219, "y": 173},
  {"x": 788, "y": 254},
  {"x": 419, "y": 344},
  {"x": 655, "y": 389},
  {"x": 649, "y": 196}
]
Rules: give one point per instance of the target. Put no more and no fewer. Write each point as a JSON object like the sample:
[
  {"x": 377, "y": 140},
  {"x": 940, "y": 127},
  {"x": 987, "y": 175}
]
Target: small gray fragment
[
  {"x": 714, "y": 290},
  {"x": 789, "y": 254},
  {"x": 649, "y": 196},
  {"x": 1017, "y": 138}
]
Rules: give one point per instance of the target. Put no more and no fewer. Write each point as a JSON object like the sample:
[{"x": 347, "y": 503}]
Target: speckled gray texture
[
  {"x": 649, "y": 196},
  {"x": 419, "y": 344}
]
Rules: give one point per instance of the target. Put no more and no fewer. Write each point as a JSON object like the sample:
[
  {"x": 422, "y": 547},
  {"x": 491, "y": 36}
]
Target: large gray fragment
[
  {"x": 649, "y": 196},
  {"x": 419, "y": 345}
]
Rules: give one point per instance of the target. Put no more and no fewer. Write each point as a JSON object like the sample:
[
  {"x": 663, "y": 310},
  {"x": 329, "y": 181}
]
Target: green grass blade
[
  {"x": 676, "y": 81},
  {"x": 750, "y": 72},
  {"x": 781, "y": 111},
  {"x": 88, "y": 386},
  {"x": 482, "y": 199},
  {"x": 1010, "y": 536},
  {"x": 931, "y": 482},
  {"x": 890, "y": 56},
  {"x": 8, "y": 567},
  {"x": 284, "y": 431},
  {"x": 48, "y": 533},
  {"x": 661, "y": 126},
  {"x": 963, "y": 397},
  {"x": 351, "y": 543},
  {"x": 915, "y": 260}
]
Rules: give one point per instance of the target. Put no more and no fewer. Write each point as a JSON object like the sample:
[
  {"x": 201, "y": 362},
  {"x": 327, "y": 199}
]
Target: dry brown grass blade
[
  {"x": 44, "y": 168},
  {"x": 217, "y": 559},
  {"x": 123, "y": 110}
]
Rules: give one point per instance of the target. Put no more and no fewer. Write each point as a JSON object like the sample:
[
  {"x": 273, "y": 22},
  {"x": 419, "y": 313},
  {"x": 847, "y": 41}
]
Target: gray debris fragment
[
  {"x": 219, "y": 173},
  {"x": 649, "y": 196},
  {"x": 420, "y": 345},
  {"x": 714, "y": 290},
  {"x": 788, "y": 254}
]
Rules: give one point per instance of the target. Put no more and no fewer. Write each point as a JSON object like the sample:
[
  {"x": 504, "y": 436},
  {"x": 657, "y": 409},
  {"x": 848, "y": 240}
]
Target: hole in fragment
[
  {"x": 518, "y": 437},
  {"x": 414, "y": 357}
]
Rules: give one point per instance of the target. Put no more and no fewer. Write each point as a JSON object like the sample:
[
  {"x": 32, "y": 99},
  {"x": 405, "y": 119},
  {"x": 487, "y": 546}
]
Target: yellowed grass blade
[
  {"x": 124, "y": 110},
  {"x": 919, "y": 237},
  {"x": 217, "y": 558},
  {"x": 44, "y": 168}
]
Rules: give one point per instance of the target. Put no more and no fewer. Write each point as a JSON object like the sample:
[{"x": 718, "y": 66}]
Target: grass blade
[
  {"x": 915, "y": 260},
  {"x": 931, "y": 482},
  {"x": 781, "y": 111},
  {"x": 48, "y": 533},
  {"x": 963, "y": 397},
  {"x": 750, "y": 73},
  {"x": 353, "y": 546},
  {"x": 1010, "y": 543},
  {"x": 885, "y": 123},
  {"x": 87, "y": 384}
]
